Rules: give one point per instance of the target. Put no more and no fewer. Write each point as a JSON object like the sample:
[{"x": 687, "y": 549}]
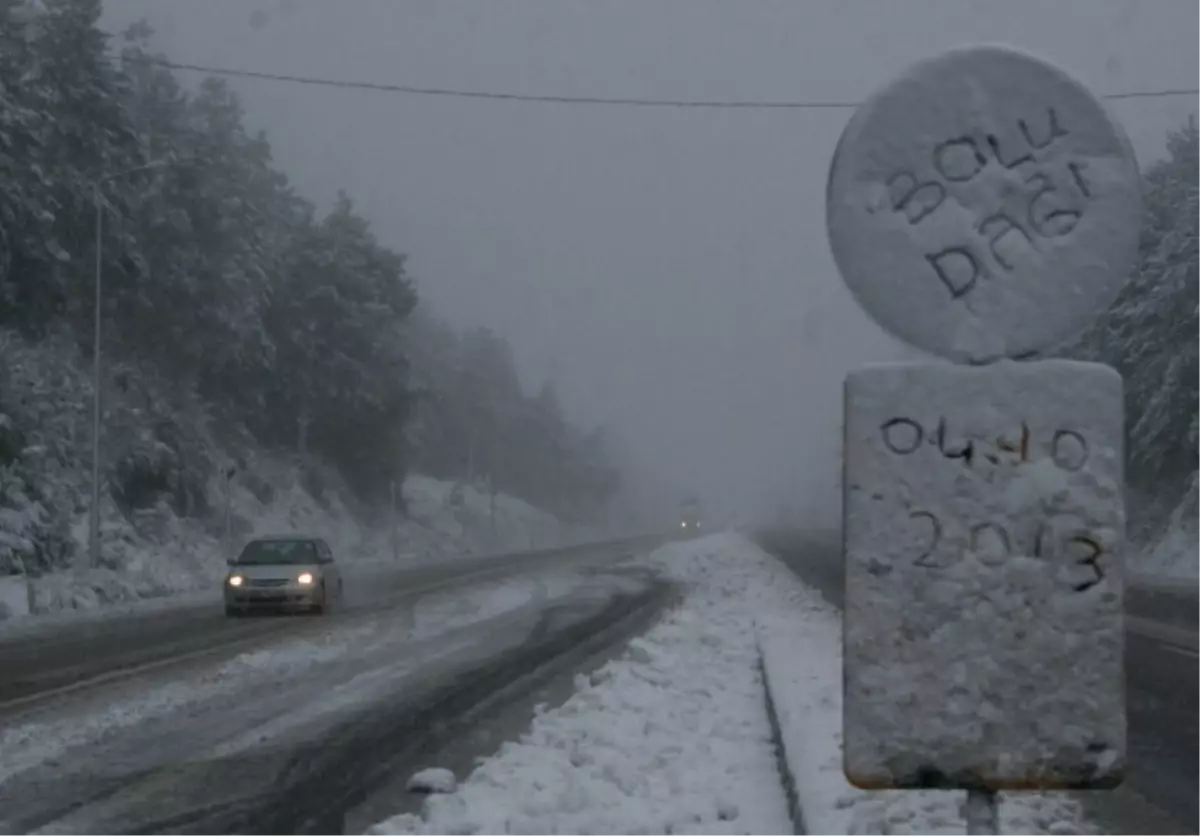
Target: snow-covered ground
[
  {"x": 165, "y": 456},
  {"x": 1164, "y": 550},
  {"x": 1173, "y": 556},
  {"x": 674, "y": 736},
  {"x": 164, "y": 556}
]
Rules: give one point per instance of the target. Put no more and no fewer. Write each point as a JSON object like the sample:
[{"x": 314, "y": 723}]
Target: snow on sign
[
  {"x": 983, "y": 205},
  {"x": 984, "y": 523}
]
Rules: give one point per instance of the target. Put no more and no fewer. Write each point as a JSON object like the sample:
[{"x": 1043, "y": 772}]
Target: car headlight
[
  {"x": 683, "y": 525},
  {"x": 236, "y": 580},
  {"x": 305, "y": 578}
]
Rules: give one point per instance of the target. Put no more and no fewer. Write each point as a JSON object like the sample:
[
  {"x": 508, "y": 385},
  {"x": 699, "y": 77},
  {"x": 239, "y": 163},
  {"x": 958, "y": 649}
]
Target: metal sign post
[{"x": 983, "y": 207}]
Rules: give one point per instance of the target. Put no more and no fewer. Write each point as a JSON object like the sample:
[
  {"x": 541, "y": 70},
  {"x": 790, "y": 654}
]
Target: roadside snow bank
[
  {"x": 469, "y": 516},
  {"x": 159, "y": 555},
  {"x": 1173, "y": 556},
  {"x": 674, "y": 737},
  {"x": 1163, "y": 539},
  {"x": 801, "y": 641},
  {"x": 168, "y": 514},
  {"x": 671, "y": 738},
  {"x": 14, "y": 597}
]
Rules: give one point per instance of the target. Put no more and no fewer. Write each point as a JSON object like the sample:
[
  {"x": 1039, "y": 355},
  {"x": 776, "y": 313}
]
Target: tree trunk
[{"x": 302, "y": 423}]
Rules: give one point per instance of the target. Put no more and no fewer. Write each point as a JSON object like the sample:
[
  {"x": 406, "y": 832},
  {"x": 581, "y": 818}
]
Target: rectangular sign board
[{"x": 983, "y": 514}]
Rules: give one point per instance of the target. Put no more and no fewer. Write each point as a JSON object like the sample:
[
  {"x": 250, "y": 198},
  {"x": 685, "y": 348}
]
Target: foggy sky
[{"x": 668, "y": 268}]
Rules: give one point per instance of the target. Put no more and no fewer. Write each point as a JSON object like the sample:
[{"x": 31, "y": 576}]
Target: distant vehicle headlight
[
  {"x": 305, "y": 578},
  {"x": 683, "y": 524},
  {"x": 236, "y": 580}
]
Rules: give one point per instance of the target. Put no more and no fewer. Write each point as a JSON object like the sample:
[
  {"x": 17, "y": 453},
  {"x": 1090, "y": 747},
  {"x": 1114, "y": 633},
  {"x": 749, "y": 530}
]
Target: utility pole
[
  {"x": 395, "y": 533},
  {"x": 98, "y": 206},
  {"x": 492, "y": 508},
  {"x": 471, "y": 457},
  {"x": 229, "y": 474},
  {"x": 94, "y": 510}
]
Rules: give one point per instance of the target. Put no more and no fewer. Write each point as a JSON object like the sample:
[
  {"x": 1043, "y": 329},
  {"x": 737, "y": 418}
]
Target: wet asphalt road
[
  {"x": 69, "y": 656},
  {"x": 223, "y": 769},
  {"x": 1161, "y": 675},
  {"x": 319, "y": 784},
  {"x": 440, "y": 726}
]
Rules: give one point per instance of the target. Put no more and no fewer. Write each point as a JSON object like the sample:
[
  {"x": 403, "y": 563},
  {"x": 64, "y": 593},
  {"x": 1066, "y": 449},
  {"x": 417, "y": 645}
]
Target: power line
[
  {"x": 483, "y": 94},
  {"x": 1151, "y": 94},
  {"x": 575, "y": 100}
]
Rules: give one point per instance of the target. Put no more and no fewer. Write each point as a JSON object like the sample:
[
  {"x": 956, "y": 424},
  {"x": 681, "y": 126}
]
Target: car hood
[{"x": 274, "y": 571}]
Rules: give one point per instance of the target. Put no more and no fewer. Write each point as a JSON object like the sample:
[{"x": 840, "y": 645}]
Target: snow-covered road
[
  {"x": 201, "y": 739},
  {"x": 674, "y": 737},
  {"x": 71, "y": 651}
]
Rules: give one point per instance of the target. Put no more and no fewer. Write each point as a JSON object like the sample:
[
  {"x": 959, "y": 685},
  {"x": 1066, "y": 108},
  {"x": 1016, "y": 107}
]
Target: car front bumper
[{"x": 292, "y": 597}]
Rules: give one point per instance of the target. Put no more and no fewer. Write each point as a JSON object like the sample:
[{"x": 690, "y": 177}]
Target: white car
[{"x": 283, "y": 573}]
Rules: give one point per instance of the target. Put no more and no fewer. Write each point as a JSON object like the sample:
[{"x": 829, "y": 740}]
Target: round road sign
[{"x": 984, "y": 205}]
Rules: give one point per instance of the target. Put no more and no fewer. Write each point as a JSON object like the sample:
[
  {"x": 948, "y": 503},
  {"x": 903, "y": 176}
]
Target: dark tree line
[
  {"x": 1149, "y": 334},
  {"x": 278, "y": 322},
  {"x": 474, "y": 421}
]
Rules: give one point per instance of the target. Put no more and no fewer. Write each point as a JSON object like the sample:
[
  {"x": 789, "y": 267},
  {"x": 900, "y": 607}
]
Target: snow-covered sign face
[
  {"x": 983, "y": 205},
  {"x": 984, "y": 529}
]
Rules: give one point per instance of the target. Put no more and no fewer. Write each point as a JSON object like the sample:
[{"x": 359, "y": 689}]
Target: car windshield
[{"x": 287, "y": 552}]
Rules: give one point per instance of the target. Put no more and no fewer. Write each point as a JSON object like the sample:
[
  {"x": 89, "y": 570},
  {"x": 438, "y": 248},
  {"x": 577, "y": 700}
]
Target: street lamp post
[{"x": 98, "y": 202}]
